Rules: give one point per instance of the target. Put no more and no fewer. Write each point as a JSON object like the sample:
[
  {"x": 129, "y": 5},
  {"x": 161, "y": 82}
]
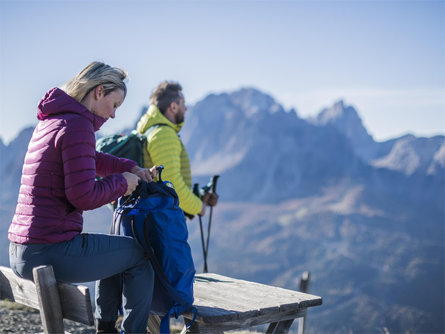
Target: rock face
[
  {"x": 365, "y": 218},
  {"x": 410, "y": 155},
  {"x": 407, "y": 154},
  {"x": 348, "y": 122}
]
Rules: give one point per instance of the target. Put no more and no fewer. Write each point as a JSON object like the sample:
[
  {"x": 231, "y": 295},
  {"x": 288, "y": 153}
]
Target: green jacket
[{"x": 164, "y": 147}]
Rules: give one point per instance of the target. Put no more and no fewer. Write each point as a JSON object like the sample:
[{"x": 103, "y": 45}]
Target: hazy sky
[{"x": 386, "y": 58}]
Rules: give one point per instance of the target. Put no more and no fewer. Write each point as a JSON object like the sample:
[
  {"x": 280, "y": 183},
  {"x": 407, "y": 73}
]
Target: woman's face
[{"x": 105, "y": 105}]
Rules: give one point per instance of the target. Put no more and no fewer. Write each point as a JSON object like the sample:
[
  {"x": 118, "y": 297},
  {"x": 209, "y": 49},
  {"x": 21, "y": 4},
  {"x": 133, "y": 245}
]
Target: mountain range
[{"x": 366, "y": 218}]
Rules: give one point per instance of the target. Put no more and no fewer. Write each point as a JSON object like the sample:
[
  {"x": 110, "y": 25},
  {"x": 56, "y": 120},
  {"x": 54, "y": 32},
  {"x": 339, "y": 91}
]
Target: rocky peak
[
  {"x": 346, "y": 119},
  {"x": 410, "y": 154},
  {"x": 251, "y": 101}
]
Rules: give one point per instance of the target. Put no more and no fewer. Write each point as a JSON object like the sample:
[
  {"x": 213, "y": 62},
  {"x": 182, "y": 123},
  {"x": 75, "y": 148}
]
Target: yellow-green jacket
[{"x": 164, "y": 147}]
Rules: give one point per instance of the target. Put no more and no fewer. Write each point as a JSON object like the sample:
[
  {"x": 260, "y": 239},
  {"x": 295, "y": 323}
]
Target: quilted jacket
[
  {"x": 59, "y": 173},
  {"x": 164, "y": 147}
]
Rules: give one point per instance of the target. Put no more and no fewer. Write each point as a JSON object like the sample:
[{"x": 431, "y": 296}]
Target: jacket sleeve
[
  {"x": 77, "y": 144},
  {"x": 164, "y": 147},
  {"x": 107, "y": 164}
]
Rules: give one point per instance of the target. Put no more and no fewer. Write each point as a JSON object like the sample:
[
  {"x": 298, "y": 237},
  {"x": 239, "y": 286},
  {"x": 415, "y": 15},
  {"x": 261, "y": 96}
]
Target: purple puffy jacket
[{"x": 58, "y": 176}]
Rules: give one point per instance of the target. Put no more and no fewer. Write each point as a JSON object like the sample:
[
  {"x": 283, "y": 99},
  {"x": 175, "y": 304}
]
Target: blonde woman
[{"x": 59, "y": 182}]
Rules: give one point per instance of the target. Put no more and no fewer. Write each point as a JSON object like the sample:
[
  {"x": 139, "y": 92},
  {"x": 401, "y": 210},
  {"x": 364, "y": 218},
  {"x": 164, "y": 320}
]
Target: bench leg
[
  {"x": 279, "y": 327},
  {"x": 302, "y": 324},
  {"x": 154, "y": 324},
  {"x": 194, "y": 328},
  {"x": 49, "y": 300}
]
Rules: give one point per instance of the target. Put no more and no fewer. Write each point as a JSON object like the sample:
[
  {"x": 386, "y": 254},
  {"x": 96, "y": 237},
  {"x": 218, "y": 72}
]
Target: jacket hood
[
  {"x": 56, "y": 101},
  {"x": 152, "y": 117}
]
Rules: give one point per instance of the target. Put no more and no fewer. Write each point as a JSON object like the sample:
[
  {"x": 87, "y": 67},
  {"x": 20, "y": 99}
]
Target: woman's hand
[
  {"x": 145, "y": 174},
  {"x": 132, "y": 182}
]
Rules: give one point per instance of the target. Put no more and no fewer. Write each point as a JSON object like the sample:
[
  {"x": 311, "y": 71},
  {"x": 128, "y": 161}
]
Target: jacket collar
[
  {"x": 56, "y": 101},
  {"x": 153, "y": 117}
]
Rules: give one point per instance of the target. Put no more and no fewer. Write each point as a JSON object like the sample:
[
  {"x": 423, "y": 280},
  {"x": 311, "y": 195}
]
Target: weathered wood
[
  {"x": 154, "y": 324},
  {"x": 217, "y": 327},
  {"x": 280, "y": 327},
  {"x": 17, "y": 289},
  {"x": 225, "y": 303},
  {"x": 76, "y": 303},
  {"x": 304, "y": 287},
  {"x": 302, "y": 323},
  {"x": 271, "y": 328},
  {"x": 49, "y": 300},
  {"x": 304, "y": 282},
  {"x": 75, "y": 299}
]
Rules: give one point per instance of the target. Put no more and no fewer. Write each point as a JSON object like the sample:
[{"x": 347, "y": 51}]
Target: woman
[{"x": 59, "y": 182}]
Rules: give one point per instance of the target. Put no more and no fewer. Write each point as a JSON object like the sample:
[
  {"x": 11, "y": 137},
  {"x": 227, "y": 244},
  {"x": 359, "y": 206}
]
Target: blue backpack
[{"x": 152, "y": 215}]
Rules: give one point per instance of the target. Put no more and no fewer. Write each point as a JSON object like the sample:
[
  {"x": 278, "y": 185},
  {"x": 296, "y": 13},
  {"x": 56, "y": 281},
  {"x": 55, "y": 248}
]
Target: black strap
[{"x": 155, "y": 263}]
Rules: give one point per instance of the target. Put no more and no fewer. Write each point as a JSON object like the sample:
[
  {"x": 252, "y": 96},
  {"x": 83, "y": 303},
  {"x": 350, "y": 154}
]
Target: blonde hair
[{"x": 95, "y": 74}]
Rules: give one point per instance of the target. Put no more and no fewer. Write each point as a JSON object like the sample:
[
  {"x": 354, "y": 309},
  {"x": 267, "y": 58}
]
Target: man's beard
[{"x": 179, "y": 118}]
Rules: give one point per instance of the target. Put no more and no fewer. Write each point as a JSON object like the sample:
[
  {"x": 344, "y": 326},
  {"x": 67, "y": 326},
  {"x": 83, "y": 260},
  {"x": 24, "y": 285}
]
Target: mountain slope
[
  {"x": 407, "y": 154},
  {"x": 369, "y": 228},
  {"x": 269, "y": 154},
  {"x": 411, "y": 155},
  {"x": 366, "y": 263},
  {"x": 346, "y": 119}
]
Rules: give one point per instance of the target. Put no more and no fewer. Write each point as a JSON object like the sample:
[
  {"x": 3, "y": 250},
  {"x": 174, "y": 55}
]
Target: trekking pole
[
  {"x": 204, "y": 255},
  {"x": 196, "y": 192},
  {"x": 213, "y": 183}
]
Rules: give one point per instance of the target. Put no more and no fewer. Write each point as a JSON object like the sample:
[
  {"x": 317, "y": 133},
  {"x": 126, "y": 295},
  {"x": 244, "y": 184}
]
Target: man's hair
[
  {"x": 166, "y": 93},
  {"x": 95, "y": 74}
]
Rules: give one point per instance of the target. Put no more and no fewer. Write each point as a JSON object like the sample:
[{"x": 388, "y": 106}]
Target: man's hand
[
  {"x": 203, "y": 211},
  {"x": 145, "y": 174},
  {"x": 210, "y": 199}
]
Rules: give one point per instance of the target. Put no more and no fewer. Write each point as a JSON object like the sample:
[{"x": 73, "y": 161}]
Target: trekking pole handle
[
  {"x": 214, "y": 181},
  {"x": 160, "y": 168},
  {"x": 196, "y": 189}
]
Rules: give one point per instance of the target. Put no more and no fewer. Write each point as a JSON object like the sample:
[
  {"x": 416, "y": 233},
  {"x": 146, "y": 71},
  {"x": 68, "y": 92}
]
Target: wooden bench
[
  {"x": 223, "y": 303},
  {"x": 56, "y": 301}
]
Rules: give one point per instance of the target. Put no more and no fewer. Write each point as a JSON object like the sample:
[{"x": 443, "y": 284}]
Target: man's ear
[{"x": 173, "y": 106}]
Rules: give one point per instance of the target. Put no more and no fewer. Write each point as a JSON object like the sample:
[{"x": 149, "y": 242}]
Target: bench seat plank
[
  {"x": 75, "y": 299},
  {"x": 76, "y": 303},
  {"x": 17, "y": 289},
  {"x": 223, "y": 303},
  {"x": 226, "y": 303}
]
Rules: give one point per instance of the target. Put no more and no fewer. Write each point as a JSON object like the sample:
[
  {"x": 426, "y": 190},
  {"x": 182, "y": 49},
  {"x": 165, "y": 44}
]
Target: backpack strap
[
  {"x": 154, "y": 261},
  {"x": 145, "y": 142},
  {"x": 165, "y": 322},
  {"x": 154, "y": 126}
]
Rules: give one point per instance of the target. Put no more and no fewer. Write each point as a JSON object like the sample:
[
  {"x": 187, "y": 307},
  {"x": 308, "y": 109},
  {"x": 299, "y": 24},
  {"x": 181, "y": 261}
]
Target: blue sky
[{"x": 386, "y": 58}]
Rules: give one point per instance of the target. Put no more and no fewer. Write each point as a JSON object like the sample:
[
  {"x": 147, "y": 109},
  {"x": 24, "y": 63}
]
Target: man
[{"x": 161, "y": 124}]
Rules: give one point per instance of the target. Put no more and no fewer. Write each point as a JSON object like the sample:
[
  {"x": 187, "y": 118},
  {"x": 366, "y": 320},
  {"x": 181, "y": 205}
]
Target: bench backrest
[{"x": 55, "y": 300}]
